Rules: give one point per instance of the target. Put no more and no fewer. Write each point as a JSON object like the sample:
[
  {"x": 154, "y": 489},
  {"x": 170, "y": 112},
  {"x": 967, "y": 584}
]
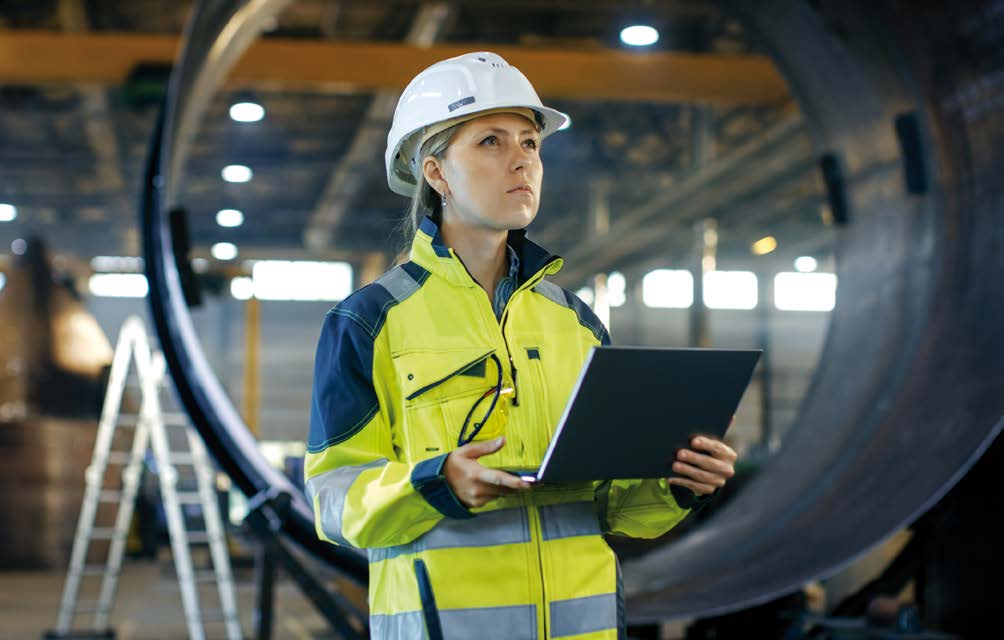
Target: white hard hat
[{"x": 450, "y": 90}]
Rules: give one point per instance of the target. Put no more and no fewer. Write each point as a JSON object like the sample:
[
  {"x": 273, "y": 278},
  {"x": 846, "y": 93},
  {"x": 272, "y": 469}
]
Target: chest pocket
[{"x": 438, "y": 390}]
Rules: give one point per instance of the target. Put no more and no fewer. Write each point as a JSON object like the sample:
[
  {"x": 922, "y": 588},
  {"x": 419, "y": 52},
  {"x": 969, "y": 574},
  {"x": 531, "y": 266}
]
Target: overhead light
[
  {"x": 242, "y": 288},
  {"x": 247, "y": 112},
  {"x": 639, "y": 35},
  {"x": 764, "y": 245},
  {"x": 18, "y": 247},
  {"x": 118, "y": 285},
  {"x": 805, "y": 264},
  {"x": 8, "y": 212},
  {"x": 229, "y": 218},
  {"x": 224, "y": 251},
  {"x": 237, "y": 173},
  {"x": 117, "y": 263}
]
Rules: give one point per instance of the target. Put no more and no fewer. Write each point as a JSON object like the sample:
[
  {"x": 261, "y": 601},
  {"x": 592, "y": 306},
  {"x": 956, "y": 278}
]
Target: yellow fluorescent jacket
[{"x": 399, "y": 365}]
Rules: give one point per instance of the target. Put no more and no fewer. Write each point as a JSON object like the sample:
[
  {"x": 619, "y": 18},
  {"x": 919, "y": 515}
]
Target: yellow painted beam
[{"x": 36, "y": 57}]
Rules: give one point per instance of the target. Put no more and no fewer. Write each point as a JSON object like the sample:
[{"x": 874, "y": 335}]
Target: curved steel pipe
[
  {"x": 910, "y": 388},
  {"x": 216, "y": 35}
]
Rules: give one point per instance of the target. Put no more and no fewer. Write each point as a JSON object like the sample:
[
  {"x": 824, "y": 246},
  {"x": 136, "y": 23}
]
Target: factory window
[
  {"x": 298, "y": 280},
  {"x": 616, "y": 289},
  {"x": 730, "y": 290},
  {"x": 118, "y": 285},
  {"x": 668, "y": 288},
  {"x": 805, "y": 291}
]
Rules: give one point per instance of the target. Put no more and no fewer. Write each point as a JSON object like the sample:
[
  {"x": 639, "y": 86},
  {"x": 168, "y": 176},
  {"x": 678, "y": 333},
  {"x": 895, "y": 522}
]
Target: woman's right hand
[{"x": 474, "y": 484}]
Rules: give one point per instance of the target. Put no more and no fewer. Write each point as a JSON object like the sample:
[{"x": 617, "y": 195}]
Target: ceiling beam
[{"x": 37, "y": 57}]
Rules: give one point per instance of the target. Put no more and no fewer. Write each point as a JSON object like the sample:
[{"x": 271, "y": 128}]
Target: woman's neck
[{"x": 482, "y": 250}]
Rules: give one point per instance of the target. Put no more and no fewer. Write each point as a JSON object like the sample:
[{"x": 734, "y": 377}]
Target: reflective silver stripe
[
  {"x": 397, "y": 626},
  {"x": 331, "y": 488},
  {"x": 398, "y": 284},
  {"x": 552, "y": 292},
  {"x": 583, "y": 615},
  {"x": 504, "y": 526},
  {"x": 568, "y": 520},
  {"x": 491, "y": 623},
  {"x": 484, "y": 623}
]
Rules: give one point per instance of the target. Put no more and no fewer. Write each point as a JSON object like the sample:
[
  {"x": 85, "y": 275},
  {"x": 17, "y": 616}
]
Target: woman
[{"x": 457, "y": 365}]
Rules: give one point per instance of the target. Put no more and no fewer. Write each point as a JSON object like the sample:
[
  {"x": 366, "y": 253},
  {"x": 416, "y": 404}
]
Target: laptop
[{"x": 633, "y": 408}]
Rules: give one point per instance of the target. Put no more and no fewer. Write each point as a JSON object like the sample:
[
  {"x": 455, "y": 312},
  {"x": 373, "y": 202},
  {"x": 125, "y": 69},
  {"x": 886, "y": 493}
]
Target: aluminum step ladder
[{"x": 151, "y": 427}]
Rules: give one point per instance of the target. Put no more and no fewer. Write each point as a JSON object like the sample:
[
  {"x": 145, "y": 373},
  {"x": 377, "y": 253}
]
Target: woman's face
[{"x": 491, "y": 172}]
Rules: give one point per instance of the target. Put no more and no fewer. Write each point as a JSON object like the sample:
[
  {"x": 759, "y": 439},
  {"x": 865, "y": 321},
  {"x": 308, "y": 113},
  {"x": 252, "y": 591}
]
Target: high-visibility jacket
[{"x": 399, "y": 365}]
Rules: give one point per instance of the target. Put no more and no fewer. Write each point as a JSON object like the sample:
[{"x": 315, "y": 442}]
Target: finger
[
  {"x": 705, "y": 462},
  {"x": 699, "y": 475},
  {"x": 475, "y": 450},
  {"x": 498, "y": 479},
  {"x": 717, "y": 448},
  {"x": 699, "y": 488}
]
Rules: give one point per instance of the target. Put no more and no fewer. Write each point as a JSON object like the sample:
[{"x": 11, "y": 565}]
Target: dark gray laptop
[{"x": 632, "y": 408}]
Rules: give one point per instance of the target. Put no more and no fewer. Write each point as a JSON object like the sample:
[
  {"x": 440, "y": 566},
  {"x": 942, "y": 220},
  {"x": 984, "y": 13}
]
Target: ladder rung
[
  {"x": 119, "y": 457},
  {"x": 189, "y": 497},
  {"x": 102, "y": 533},
  {"x": 110, "y": 496},
  {"x": 89, "y": 606},
  {"x": 169, "y": 419},
  {"x": 182, "y": 458}
]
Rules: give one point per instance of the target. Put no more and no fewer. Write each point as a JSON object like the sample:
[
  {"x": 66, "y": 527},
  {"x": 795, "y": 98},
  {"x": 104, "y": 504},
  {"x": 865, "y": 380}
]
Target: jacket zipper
[{"x": 433, "y": 626}]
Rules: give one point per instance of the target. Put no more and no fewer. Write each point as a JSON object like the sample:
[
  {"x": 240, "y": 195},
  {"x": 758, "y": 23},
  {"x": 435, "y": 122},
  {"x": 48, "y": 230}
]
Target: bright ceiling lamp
[
  {"x": 639, "y": 35},
  {"x": 118, "y": 285},
  {"x": 242, "y": 288},
  {"x": 247, "y": 112},
  {"x": 764, "y": 245},
  {"x": 8, "y": 212},
  {"x": 805, "y": 264},
  {"x": 224, "y": 251},
  {"x": 237, "y": 173},
  {"x": 229, "y": 218}
]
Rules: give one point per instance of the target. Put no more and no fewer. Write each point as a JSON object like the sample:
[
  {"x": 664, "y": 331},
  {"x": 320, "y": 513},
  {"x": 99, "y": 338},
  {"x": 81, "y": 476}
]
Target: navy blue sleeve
[{"x": 343, "y": 399}]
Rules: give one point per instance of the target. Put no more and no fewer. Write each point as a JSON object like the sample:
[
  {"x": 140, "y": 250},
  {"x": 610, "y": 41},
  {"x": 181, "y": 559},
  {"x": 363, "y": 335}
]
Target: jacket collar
[{"x": 429, "y": 251}]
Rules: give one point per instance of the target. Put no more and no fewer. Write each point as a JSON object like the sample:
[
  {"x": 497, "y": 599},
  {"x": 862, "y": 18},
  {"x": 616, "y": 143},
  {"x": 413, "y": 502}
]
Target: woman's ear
[{"x": 432, "y": 168}]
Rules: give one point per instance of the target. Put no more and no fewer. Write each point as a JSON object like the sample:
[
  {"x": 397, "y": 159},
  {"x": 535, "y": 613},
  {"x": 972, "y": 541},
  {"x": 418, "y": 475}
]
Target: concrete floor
[{"x": 148, "y": 605}]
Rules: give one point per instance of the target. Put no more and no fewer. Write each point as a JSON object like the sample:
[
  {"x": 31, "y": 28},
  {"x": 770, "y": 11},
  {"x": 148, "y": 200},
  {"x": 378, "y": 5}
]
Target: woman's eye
[
  {"x": 533, "y": 144},
  {"x": 490, "y": 140}
]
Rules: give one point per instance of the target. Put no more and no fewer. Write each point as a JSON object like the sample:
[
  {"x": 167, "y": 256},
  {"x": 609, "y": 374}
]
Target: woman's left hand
[{"x": 706, "y": 467}]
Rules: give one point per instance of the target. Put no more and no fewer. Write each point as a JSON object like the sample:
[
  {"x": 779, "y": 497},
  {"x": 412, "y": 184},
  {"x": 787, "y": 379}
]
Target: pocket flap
[{"x": 425, "y": 370}]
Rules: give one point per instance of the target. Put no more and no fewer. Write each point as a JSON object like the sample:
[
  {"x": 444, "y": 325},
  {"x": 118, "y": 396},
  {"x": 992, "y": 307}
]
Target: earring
[{"x": 444, "y": 202}]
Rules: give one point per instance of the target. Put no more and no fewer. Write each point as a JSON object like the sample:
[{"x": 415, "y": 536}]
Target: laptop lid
[{"x": 633, "y": 408}]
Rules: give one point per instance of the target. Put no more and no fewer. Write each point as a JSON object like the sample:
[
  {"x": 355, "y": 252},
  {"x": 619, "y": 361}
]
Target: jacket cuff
[
  {"x": 687, "y": 499},
  {"x": 428, "y": 479}
]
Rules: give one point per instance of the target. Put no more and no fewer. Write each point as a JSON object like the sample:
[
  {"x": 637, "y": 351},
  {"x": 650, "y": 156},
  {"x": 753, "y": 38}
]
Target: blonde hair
[{"x": 426, "y": 201}]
